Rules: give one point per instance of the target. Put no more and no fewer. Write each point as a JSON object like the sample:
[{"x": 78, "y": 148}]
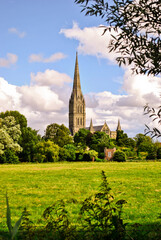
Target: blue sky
[{"x": 38, "y": 44}]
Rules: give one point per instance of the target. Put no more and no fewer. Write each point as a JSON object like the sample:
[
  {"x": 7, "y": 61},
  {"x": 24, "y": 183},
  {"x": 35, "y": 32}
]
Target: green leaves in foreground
[
  {"x": 101, "y": 215},
  {"x": 12, "y": 230}
]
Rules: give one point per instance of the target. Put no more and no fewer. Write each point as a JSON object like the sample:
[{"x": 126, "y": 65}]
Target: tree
[
  {"x": 68, "y": 153},
  {"x": 59, "y": 134},
  {"x": 19, "y": 118},
  {"x": 46, "y": 151},
  {"x": 141, "y": 138},
  {"x": 9, "y": 135},
  {"x": 119, "y": 156},
  {"x": 136, "y": 31},
  {"x": 80, "y": 138},
  {"x": 28, "y": 141},
  {"x": 122, "y": 140},
  {"x": 99, "y": 141}
]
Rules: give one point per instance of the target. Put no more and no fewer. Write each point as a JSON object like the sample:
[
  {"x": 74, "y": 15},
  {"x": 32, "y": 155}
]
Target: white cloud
[
  {"x": 40, "y": 58},
  {"x": 50, "y": 78},
  {"x": 91, "y": 41},
  {"x": 40, "y": 98},
  {"x": 9, "y": 60},
  {"x": 17, "y": 32}
]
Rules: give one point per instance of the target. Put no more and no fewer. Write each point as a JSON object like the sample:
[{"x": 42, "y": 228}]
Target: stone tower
[
  {"x": 118, "y": 126},
  {"x": 77, "y": 114}
]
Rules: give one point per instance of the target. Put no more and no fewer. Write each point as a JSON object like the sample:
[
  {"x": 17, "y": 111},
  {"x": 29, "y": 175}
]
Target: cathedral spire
[
  {"x": 91, "y": 128},
  {"x": 77, "y": 112},
  {"x": 118, "y": 126},
  {"x": 76, "y": 83}
]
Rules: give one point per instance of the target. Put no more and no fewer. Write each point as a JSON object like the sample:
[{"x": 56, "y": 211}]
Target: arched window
[
  {"x": 81, "y": 121},
  {"x": 78, "y": 121}
]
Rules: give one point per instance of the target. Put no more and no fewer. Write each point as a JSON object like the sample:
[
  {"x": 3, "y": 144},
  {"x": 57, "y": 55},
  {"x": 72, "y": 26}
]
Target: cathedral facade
[{"x": 77, "y": 110}]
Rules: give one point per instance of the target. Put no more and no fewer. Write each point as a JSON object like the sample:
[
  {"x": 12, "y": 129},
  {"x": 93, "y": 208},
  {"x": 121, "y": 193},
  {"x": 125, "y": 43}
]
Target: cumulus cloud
[
  {"x": 40, "y": 98},
  {"x": 111, "y": 107},
  {"x": 17, "y": 32},
  {"x": 41, "y": 104},
  {"x": 50, "y": 78},
  {"x": 40, "y": 58},
  {"x": 91, "y": 41},
  {"x": 9, "y": 60}
]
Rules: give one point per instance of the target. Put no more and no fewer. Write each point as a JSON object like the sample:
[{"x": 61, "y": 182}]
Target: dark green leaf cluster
[
  {"x": 119, "y": 156},
  {"x": 156, "y": 116},
  {"x": 101, "y": 216}
]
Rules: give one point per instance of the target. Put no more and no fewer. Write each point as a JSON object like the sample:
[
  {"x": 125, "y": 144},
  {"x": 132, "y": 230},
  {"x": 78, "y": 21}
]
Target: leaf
[
  {"x": 16, "y": 227},
  {"x": 8, "y": 215}
]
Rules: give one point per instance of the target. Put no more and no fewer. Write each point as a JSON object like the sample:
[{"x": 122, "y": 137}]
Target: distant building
[
  {"x": 109, "y": 153},
  {"x": 77, "y": 110}
]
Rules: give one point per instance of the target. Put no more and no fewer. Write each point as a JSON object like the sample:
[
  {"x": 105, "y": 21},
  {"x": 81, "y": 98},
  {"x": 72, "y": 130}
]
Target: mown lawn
[{"x": 37, "y": 186}]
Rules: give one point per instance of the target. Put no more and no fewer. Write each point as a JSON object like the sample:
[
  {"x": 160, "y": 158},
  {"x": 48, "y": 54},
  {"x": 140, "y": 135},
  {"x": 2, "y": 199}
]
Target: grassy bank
[{"x": 36, "y": 186}]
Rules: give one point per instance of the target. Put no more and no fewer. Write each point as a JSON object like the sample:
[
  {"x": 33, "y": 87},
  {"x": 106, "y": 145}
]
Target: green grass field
[{"x": 36, "y": 186}]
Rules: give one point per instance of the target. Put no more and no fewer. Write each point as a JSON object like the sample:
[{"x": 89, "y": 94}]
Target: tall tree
[
  {"x": 137, "y": 27},
  {"x": 9, "y": 134},
  {"x": 59, "y": 134}
]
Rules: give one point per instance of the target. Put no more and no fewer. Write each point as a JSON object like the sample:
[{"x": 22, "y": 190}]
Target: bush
[
  {"x": 119, "y": 156},
  {"x": 9, "y": 156},
  {"x": 159, "y": 153}
]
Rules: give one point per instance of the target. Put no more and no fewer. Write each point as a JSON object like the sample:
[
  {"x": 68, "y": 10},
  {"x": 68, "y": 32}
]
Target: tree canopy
[
  {"x": 59, "y": 134},
  {"x": 137, "y": 29}
]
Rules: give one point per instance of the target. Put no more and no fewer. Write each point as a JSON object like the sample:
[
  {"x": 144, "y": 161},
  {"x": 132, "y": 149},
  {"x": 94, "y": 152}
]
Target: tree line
[{"x": 20, "y": 143}]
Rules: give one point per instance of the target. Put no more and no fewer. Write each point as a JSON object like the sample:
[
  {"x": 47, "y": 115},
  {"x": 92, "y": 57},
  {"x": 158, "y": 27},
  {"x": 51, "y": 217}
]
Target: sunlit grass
[{"x": 36, "y": 186}]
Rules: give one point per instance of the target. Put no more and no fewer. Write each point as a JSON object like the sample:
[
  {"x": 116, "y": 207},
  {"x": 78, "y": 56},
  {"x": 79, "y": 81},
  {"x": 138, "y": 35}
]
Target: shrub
[
  {"x": 152, "y": 153},
  {"x": 9, "y": 156},
  {"x": 119, "y": 156},
  {"x": 101, "y": 216},
  {"x": 159, "y": 153}
]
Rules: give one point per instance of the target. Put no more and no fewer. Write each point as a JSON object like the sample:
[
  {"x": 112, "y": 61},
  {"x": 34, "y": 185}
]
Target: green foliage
[
  {"x": 99, "y": 141},
  {"x": 122, "y": 140},
  {"x": 81, "y": 137},
  {"x": 57, "y": 222},
  {"x": 9, "y": 134},
  {"x": 59, "y": 134},
  {"x": 141, "y": 138},
  {"x": 67, "y": 153},
  {"x": 152, "y": 153},
  {"x": 12, "y": 230},
  {"x": 19, "y": 118},
  {"x": 159, "y": 153},
  {"x": 119, "y": 156},
  {"x": 28, "y": 141},
  {"x": 27, "y": 227},
  {"x": 9, "y": 156},
  {"x": 90, "y": 155},
  {"x": 46, "y": 151},
  {"x": 101, "y": 216}
]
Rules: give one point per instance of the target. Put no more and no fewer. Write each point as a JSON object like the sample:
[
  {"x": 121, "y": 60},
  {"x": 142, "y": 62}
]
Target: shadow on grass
[{"x": 133, "y": 232}]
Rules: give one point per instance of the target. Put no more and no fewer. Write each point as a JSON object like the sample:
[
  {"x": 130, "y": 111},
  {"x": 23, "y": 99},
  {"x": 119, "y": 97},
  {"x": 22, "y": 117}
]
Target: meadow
[{"x": 36, "y": 186}]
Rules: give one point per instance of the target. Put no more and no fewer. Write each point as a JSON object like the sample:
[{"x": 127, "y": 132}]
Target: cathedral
[{"x": 77, "y": 110}]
